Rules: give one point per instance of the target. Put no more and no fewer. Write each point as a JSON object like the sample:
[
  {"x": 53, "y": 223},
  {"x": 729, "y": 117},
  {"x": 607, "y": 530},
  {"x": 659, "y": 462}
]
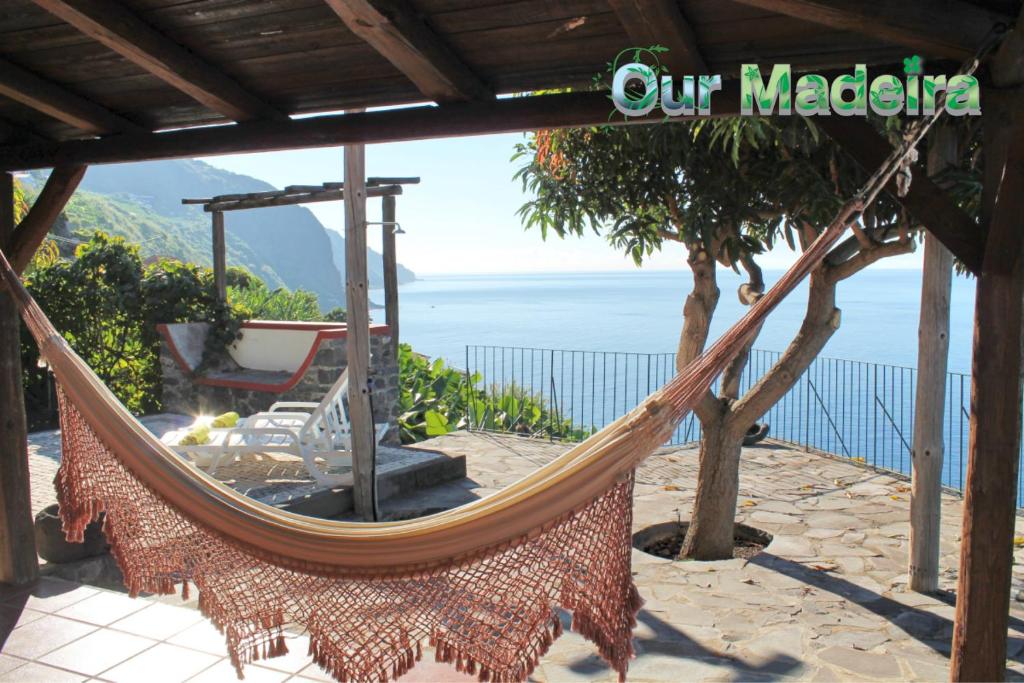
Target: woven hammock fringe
[{"x": 493, "y": 615}]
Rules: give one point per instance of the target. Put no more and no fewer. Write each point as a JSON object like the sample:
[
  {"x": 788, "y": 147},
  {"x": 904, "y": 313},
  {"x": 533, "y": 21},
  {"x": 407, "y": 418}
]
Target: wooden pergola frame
[
  {"x": 425, "y": 56},
  {"x": 306, "y": 194},
  {"x": 354, "y": 191}
]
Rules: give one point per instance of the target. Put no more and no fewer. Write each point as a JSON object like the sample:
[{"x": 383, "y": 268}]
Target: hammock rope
[{"x": 481, "y": 584}]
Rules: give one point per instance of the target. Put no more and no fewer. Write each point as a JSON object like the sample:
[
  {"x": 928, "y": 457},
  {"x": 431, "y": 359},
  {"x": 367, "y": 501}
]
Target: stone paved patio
[{"x": 825, "y": 601}]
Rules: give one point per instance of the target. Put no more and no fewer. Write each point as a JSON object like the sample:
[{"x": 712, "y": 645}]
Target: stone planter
[{"x": 52, "y": 546}]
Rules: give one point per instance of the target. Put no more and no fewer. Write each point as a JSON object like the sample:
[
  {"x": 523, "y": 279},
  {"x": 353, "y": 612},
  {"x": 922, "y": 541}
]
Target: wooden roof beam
[
  {"x": 661, "y": 22},
  {"x": 110, "y": 23},
  {"x": 951, "y": 28},
  {"x": 396, "y": 30},
  {"x": 51, "y": 99},
  {"x": 507, "y": 115}
]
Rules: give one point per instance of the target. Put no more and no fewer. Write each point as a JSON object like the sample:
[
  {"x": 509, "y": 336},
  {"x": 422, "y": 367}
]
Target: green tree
[
  {"x": 722, "y": 192},
  {"x": 107, "y": 305}
]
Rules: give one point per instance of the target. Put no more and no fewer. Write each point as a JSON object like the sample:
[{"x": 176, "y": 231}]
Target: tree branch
[
  {"x": 864, "y": 258},
  {"x": 820, "y": 323},
  {"x": 851, "y": 245},
  {"x": 749, "y": 292},
  {"x": 697, "y": 312}
]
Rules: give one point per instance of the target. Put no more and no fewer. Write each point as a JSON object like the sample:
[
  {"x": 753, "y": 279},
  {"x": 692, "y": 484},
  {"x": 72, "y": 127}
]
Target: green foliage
[
  {"x": 740, "y": 183},
  {"x": 107, "y": 304},
  {"x": 437, "y": 399},
  {"x": 256, "y": 301},
  {"x": 335, "y": 315},
  {"x": 183, "y": 236},
  {"x": 20, "y": 202}
]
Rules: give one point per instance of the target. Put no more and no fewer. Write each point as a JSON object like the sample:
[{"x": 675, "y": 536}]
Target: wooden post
[
  {"x": 18, "y": 560},
  {"x": 220, "y": 266},
  {"x": 390, "y": 271},
  {"x": 990, "y": 495},
  {"x": 932, "y": 363},
  {"x": 358, "y": 342}
]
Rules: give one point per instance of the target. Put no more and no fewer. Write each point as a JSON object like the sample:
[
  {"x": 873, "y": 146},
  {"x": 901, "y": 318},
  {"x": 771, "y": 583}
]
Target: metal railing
[{"x": 852, "y": 409}]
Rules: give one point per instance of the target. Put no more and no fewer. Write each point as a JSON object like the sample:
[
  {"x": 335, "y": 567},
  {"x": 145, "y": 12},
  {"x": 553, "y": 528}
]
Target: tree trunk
[{"x": 710, "y": 535}]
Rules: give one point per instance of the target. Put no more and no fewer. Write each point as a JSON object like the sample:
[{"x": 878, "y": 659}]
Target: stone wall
[{"x": 182, "y": 395}]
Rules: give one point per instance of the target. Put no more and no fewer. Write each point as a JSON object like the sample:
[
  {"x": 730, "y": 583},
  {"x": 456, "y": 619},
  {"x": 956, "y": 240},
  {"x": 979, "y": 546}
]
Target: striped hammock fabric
[{"x": 481, "y": 584}]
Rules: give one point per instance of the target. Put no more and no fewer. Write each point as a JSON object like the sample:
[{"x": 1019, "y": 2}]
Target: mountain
[
  {"x": 374, "y": 264},
  {"x": 285, "y": 246}
]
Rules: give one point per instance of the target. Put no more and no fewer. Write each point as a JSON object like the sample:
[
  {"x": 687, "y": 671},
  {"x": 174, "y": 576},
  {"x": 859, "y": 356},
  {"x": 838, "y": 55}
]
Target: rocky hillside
[{"x": 286, "y": 246}]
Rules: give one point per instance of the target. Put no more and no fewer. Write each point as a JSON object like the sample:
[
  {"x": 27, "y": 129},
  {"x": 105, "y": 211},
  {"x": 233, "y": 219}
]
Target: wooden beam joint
[
  {"x": 661, "y": 22},
  {"x": 952, "y": 29},
  {"x": 399, "y": 34},
  {"x": 51, "y": 99}
]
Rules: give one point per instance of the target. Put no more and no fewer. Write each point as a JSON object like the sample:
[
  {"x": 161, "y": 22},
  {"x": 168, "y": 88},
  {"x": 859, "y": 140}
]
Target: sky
[{"x": 461, "y": 218}]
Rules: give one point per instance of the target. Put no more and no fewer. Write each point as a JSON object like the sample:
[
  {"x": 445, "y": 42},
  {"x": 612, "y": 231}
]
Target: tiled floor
[{"x": 59, "y": 631}]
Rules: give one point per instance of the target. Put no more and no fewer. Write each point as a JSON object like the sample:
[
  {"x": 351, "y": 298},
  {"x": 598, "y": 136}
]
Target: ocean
[
  {"x": 543, "y": 333},
  {"x": 641, "y": 311}
]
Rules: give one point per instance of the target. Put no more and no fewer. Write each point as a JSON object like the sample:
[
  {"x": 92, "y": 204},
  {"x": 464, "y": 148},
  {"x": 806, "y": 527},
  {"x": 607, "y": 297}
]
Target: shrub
[
  {"x": 107, "y": 304},
  {"x": 437, "y": 399},
  {"x": 256, "y": 301}
]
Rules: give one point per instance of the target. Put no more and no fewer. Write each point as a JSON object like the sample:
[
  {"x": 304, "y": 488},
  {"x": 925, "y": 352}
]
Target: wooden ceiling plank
[
  {"x": 110, "y": 23},
  {"x": 505, "y": 115},
  {"x": 661, "y": 22},
  {"x": 51, "y": 99},
  {"x": 12, "y": 133},
  {"x": 400, "y": 35},
  {"x": 955, "y": 29}
]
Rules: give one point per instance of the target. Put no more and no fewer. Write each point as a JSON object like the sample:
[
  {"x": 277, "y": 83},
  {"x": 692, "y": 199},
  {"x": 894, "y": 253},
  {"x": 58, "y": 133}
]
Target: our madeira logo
[{"x": 637, "y": 89}]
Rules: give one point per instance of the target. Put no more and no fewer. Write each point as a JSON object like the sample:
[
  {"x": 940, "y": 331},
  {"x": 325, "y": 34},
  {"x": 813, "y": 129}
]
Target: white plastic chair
[{"x": 308, "y": 430}]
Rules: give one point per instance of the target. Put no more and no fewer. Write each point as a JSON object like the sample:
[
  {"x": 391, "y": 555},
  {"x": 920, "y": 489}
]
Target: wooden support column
[
  {"x": 220, "y": 264},
  {"x": 358, "y": 342},
  {"x": 390, "y": 271},
  {"x": 18, "y": 561},
  {"x": 932, "y": 364},
  {"x": 990, "y": 493}
]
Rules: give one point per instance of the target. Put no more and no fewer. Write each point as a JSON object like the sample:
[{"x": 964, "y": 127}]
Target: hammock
[{"x": 480, "y": 583}]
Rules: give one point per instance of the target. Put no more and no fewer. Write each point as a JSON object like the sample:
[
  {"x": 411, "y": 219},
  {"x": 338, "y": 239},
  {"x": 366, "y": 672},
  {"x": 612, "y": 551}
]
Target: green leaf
[{"x": 437, "y": 424}]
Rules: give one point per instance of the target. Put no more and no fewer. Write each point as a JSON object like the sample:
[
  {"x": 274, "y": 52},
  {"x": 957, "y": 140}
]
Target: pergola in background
[
  {"x": 387, "y": 188},
  {"x": 101, "y": 81}
]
